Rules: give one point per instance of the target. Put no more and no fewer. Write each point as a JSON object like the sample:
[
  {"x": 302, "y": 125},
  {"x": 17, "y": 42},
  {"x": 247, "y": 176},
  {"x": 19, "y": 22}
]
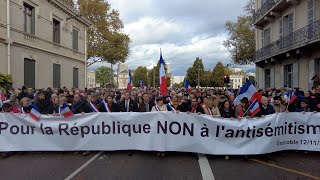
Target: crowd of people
[{"x": 217, "y": 102}]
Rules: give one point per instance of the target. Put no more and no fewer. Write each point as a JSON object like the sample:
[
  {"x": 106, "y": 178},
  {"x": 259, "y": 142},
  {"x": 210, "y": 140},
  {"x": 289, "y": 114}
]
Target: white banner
[{"x": 161, "y": 131}]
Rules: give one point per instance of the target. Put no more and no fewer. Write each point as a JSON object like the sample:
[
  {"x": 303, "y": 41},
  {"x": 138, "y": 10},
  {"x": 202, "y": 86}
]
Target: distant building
[
  {"x": 43, "y": 43},
  {"x": 91, "y": 79},
  {"x": 122, "y": 75},
  {"x": 178, "y": 79},
  {"x": 236, "y": 81}
]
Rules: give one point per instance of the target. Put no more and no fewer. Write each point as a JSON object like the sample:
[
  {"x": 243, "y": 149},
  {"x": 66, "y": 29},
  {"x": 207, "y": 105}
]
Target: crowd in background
[{"x": 216, "y": 102}]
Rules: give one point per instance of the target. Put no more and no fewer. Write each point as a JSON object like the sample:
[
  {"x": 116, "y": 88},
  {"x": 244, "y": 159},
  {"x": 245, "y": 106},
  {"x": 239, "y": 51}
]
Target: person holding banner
[
  {"x": 25, "y": 106},
  {"x": 265, "y": 107},
  {"x": 242, "y": 109},
  {"x": 107, "y": 105},
  {"x": 303, "y": 106},
  {"x": 278, "y": 106},
  {"x": 159, "y": 106},
  {"x": 194, "y": 107},
  {"x": 225, "y": 110},
  {"x": 92, "y": 104},
  {"x": 215, "y": 110},
  {"x": 207, "y": 106},
  {"x": 43, "y": 103},
  {"x": 128, "y": 104},
  {"x": 77, "y": 105},
  {"x": 146, "y": 105}
]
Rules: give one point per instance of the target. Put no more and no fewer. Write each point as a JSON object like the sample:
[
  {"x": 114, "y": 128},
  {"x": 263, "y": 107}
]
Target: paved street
[{"x": 147, "y": 165}]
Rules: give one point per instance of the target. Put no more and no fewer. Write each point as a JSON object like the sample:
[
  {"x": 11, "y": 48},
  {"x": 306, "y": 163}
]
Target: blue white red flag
[
  {"x": 34, "y": 113},
  {"x": 65, "y": 111}
]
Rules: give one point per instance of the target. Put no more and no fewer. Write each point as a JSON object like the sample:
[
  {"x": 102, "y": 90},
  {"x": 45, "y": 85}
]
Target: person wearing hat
[
  {"x": 277, "y": 105},
  {"x": 242, "y": 109},
  {"x": 303, "y": 106}
]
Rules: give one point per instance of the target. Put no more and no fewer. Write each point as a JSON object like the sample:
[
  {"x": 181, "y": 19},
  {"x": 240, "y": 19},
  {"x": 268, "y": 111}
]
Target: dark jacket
[
  {"x": 300, "y": 109},
  {"x": 44, "y": 106},
  {"x": 114, "y": 107},
  {"x": 133, "y": 106},
  {"x": 142, "y": 107},
  {"x": 88, "y": 108},
  {"x": 77, "y": 107},
  {"x": 226, "y": 113},
  {"x": 198, "y": 109},
  {"x": 26, "y": 109},
  {"x": 265, "y": 110}
]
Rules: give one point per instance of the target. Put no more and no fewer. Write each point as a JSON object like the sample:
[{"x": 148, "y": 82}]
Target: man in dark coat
[
  {"x": 77, "y": 105},
  {"x": 265, "y": 107},
  {"x": 113, "y": 107},
  {"x": 194, "y": 107},
  {"x": 23, "y": 93},
  {"x": 128, "y": 104},
  {"x": 146, "y": 105},
  {"x": 94, "y": 101},
  {"x": 44, "y": 104}
]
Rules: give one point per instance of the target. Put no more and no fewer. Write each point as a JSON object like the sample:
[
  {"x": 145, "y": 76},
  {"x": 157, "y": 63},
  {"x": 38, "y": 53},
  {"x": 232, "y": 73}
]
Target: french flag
[
  {"x": 254, "y": 108},
  {"x": 129, "y": 85},
  {"x": 162, "y": 76},
  {"x": 65, "y": 111},
  {"x": 34, "y": 113},
  {"x": 187, "y": 85},
  {"x": 292, "y": 97},
  {"x": 249, "y": 91}
]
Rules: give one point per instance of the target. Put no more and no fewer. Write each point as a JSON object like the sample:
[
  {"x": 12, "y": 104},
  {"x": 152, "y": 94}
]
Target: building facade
[
  {"x": 287, "y": 41},
  {"x": 91, "y": 79},
  {"x": 236, "y": 81},
  {"x": 42, "y": 43},
  {"x": 122, "y": 75}
]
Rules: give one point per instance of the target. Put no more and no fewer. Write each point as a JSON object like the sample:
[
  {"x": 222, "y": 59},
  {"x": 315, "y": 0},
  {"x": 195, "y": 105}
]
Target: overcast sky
[{"x": 183, "y": 29}]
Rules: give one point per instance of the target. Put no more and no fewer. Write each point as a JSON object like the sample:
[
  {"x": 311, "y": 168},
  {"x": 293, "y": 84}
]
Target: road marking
[
  {"x": 286, "y": 169},
  {"x": 83, "y": 166},
  {"x": 205, "y": 168}
]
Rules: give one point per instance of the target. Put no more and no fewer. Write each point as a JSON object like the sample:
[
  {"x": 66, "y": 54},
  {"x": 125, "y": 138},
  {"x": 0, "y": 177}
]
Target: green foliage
[
  {"x": 192, "y": 73},
  {"x": 106, "y": 40},
  {"x": 218, "y": 74},
  {"x": 178, "y": 85},
  {"x": 5, "y": 81},
  {"x": 104, "y": 76},
  {"x": 241, "y": 42},
  {"x": 140, "y": 72},
  {"x": 206, "y": 80}
]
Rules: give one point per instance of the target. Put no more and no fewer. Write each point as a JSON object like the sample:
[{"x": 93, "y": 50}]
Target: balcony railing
[
  {"x": 266, "y": 7},
  {"x": 296, "y": 39}
]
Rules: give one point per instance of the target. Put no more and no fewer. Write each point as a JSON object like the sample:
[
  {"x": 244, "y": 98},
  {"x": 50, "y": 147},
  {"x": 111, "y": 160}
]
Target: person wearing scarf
[
  {"x": 113, "y": 107},
  {"x": 25, "y": 106},
  {"x": 92, "y": 104},
  {"x": 194, "y": 107},
  {"x": 207, "y": 106},
  {"x": 243, "y": 108},
  {"x": 159, "y": 106}
]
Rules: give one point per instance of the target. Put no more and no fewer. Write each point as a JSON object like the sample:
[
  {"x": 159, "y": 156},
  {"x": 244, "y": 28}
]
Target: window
[
  {"x": 286, "y": 25},
  {"x": 266, "y": 37},
  {"x": 267, "y": 78},
  {"x": 75, "y": 39},
  {"x": 56, "y": 31},
  {"x": 75, "y": 77},
  {"x": 56, "y": 75},
  {"x": 29, "y": 73},
  {"x": 288, "y": 78},
  {"x": 29, "y": 18},
  {"x": 311, "y": 11}
]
